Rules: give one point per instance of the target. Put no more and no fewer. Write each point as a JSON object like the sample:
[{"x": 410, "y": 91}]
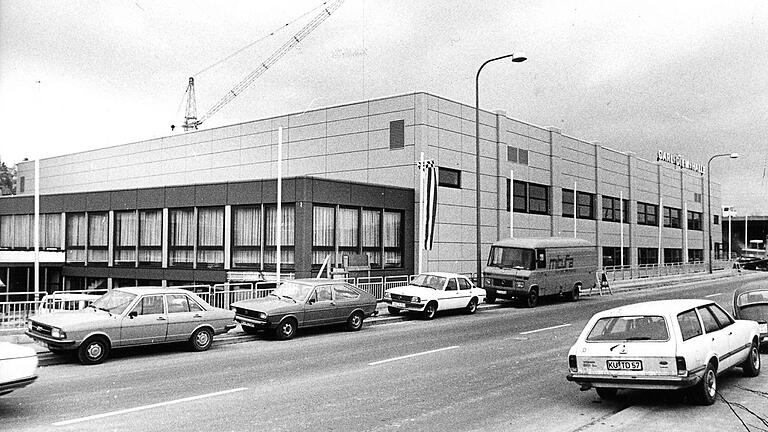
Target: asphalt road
[{"x": 500, "y": 369}]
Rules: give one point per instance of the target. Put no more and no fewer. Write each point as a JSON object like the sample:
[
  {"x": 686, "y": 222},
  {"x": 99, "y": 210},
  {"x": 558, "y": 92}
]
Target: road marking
[
  {"x": 412, "y": 355},
  {"x": 146, "y": 407},
  {"x": 713, "y": 295},
  {"x": 543, "y": 329}
]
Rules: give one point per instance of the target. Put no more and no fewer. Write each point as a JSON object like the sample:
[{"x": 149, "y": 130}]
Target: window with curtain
[
  {"x": 323, "y": 234},
  {"x": 126, "y": 236},
  {"x": 98, "y": 238},
  {"x": 50, "y": 231},
  {"x": 210, "y": 237},
  {"x": 150, "y": 237},
  {"x": 76, "y": 236},
  {"x": 6, "y": 231},
  {"x": 23, "y": 236},
  {"x": 370, "y": 236},
  {"x": 246, "y": 237},
  {"x": 181, "y": 230},
  {"x": 286, "y": 236},
  {"x": 348, "y": 230},
  {"x": 393, "y": 239}
]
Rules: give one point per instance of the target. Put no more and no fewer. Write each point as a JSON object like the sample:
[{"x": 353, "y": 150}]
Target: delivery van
[{"x": 529, "y": 268}]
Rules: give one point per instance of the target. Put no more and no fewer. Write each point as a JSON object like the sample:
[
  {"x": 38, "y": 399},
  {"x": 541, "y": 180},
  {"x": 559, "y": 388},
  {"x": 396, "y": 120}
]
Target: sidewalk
[{"x": 236, "y": 335}]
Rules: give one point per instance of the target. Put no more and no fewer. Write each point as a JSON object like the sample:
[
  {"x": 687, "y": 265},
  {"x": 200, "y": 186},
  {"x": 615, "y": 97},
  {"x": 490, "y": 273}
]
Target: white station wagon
[
  {"x": 665, "y": 345},
  {"x": 429, "y": 292}
]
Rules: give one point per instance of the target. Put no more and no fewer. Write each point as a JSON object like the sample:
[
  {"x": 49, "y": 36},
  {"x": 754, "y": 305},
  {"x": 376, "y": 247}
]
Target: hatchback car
[
  {"x": 300, "y": 303},
  {"x": 429, "y": 292},
  {"x": 668, "y": 344},
  {"x": 18, "y": 367},
  {"x": 750, "y": 302},
  {"x": 128, "y": 317}
]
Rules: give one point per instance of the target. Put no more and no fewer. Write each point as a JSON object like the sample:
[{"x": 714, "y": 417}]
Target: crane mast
[{"x": 190, "y": 119}]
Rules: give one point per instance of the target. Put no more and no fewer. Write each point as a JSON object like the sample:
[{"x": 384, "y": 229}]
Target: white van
[{"x": 529, "y": 268}]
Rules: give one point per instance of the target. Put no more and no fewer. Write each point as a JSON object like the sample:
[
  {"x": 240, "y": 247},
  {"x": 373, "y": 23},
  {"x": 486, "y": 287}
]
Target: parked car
[
  {"x": 429, "y": 292},
  {"x": 128, "y": 317},
  {"x": 61, "y": 302},
  {"x": 18, "y": 367},
  {"x": 750, "y": 302},
  {"x": 668, "y": 344},
  {"x": 527, "y": 269},
  {"x": 299, "y": 303}
]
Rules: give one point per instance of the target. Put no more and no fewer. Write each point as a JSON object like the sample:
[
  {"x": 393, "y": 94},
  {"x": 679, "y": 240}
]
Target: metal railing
[{"x": 618, "y": 273}]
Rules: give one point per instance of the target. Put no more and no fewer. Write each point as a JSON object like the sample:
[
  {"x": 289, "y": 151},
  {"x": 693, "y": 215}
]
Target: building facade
[{"x": 560, "y": 186}]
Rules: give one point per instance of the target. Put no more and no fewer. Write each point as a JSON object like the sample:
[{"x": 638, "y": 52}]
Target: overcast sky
[{"x": 686, "y": 77}]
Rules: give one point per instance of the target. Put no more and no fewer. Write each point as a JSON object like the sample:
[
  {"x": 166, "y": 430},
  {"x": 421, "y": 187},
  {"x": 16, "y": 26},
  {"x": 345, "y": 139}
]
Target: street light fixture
[
  {"x": 517, "y": 57},
  {"x": 709, "y": 204}
]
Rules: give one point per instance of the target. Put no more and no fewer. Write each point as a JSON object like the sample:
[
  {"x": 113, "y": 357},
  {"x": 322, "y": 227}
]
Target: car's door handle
[
  {"x": 161, "y": 318},
  {"x": 197, "y": 316}
]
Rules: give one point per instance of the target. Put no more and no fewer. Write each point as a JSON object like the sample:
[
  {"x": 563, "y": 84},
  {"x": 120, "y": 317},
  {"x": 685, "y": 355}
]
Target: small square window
[
  {"x": 448, "y": 177},
  {"x": 397, "y": 134},
  {"x": 511, "y": 154},
  {"x": 522, "y": 156}
]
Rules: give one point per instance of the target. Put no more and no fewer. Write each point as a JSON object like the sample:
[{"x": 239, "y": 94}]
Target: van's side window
[{"x": 541, "y": 259}]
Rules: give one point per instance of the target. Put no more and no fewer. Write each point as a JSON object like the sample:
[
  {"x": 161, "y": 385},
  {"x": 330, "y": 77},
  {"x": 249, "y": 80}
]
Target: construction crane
[{"x": 190, "y": 118}]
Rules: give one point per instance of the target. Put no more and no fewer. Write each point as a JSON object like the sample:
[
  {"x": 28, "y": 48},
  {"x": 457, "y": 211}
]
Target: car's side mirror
[
  {"x": 133, "y": 314},
  {"x": 311, "y": 301}
]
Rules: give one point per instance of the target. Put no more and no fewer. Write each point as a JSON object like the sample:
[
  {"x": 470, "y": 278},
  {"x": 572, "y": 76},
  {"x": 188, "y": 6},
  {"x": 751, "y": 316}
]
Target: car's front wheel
[
  {"x": 201, "y": 339},
  {"x": 286, "y": 329},
  {"x": 532, "y": 299},
  {"x": 751, "y": 365},
  {"x": 93, "y": 351},
  {"x": 355, "y": 321},
  {"x": 705, "y": 391},
  {"x": 430, "y": 310},
  {"x": 606, "y": 393}
]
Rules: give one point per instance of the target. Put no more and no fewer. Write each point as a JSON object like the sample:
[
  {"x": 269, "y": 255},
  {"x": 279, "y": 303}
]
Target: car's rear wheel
[
  {"x": 201, "y": 339},
  {"x": 606, "y": 392},
  {"x": 472, "y": 306},
  {"x": 393, "y": 310},
  {"x": 355, "y": 321},
  {"x": 93, "y": 351},
  {"x": 705, "y": 391},
  {"x": 249, "y": 330},
  {"x": 751, "y": 365},
  {"x": 574, "y": 295},
  {"x": 532, "y": 299},
  {"x": 286, "y": 329},
  {"x": 430, "y": 311}
]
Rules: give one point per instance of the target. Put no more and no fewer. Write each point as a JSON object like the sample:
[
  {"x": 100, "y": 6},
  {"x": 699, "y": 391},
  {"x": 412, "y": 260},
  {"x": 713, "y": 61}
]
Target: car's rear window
[
  {"x": 629, "y": 328},
  {"x": 752, "y": 297}
]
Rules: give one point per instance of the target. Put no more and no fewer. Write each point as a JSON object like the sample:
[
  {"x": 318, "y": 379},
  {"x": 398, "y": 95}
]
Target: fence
[{"x": 618, "y": 273}]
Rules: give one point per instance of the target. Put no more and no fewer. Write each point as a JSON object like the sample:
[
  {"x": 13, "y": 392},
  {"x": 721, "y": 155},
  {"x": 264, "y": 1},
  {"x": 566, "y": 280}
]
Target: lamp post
[
  {"x": 709, "y": 204},
  {"x": 517, "y": 58}
]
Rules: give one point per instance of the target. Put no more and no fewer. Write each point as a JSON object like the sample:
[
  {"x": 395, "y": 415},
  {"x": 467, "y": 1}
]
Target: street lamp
[
  {"x": 517, "y": 58},
  {"x": 709, "y": 204}
]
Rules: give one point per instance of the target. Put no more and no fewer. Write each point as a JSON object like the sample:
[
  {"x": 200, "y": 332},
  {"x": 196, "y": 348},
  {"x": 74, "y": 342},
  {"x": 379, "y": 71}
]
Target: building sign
[{"x": 680, "y": 161}]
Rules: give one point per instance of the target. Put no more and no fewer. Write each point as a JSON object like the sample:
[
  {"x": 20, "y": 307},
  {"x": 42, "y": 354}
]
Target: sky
[{"x": 686, "y": 77}]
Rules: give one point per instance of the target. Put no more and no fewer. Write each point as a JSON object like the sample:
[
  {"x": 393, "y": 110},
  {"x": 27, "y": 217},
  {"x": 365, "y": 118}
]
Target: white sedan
[
  {"x": 429, "y": 292},
  {"x": 18, "y": 366},
  {"x": 668, "y": 344}
]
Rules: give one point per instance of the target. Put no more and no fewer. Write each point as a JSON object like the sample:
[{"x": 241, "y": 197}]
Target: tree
[{"x": 7, "y": 175}]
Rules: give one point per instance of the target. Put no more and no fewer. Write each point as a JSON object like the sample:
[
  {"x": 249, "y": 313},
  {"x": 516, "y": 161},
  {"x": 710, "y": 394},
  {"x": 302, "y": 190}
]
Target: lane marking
[
  {"x": 713, "y": 295},
  {"x": 544, "y": 329},
  {"x": 146, "y": 407},
  {"x": 412, "y": 355}
]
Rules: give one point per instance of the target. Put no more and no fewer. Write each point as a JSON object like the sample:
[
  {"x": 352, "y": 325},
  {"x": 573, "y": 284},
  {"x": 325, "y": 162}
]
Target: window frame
[{"x": 448, "y": 182}]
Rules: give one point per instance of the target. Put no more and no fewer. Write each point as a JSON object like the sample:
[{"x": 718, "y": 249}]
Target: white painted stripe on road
[
  {"x": 146, "y": 407},
  {"x": 544, "y": 329},
  {"x": 412, "y": 355},
  {"x": 713, "y": 295}
]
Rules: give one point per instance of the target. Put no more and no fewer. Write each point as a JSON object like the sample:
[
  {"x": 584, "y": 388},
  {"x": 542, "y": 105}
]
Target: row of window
[
  {"x": 612, "y": 256},
  {"x": 196, "y": 236}
]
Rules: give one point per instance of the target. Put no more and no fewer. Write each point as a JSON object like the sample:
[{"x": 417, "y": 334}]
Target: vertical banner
[{"x": 430, "y": 204}]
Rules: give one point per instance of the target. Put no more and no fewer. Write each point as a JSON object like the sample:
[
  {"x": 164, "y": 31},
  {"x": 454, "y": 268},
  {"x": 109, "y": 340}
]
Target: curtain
[
  {"x": 287, "y": 234},
  {"x": 98, "y": 237},
  {"x": 348, "y": 227},
  {"x": 50, "y": 225},
  {"x": 392, "y": 240},
  {"x": 150, "y": 235},
  {"x": 246, "y": 238},
  {"x": 370, "y": 236},
  {"x": 76, "y": 236},
  {"x": 6, "y": 231},
  {"x": 126, "y": 235},
  {"x": 322, "y": 226},
  {"x": 210, "y": 235},
  {"x": 182, "y": 236}
]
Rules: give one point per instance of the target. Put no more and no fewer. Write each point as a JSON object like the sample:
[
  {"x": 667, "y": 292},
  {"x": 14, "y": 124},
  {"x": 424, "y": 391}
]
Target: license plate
[
  {"x": 764, "y": 328},
  {"x": 247, "y": 324},
  {"x": 398, "y": 304},
  {"x": 501, "y": 292},
  {"x": 630, "y": 365}
]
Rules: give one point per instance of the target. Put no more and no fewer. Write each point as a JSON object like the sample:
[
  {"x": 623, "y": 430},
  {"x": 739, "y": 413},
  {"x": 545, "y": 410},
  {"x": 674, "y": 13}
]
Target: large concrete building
[{"x": 199, "y": 206}]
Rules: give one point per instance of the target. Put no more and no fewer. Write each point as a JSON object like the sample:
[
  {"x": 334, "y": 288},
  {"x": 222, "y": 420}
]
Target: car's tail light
[
  {"x": 682, "y": 369},
  {"x": 572, "y": 363}
]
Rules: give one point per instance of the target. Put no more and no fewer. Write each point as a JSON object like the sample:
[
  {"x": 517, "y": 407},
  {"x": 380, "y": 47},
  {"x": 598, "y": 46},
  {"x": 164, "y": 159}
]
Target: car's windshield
[
  {"x": 752, "y": 297},
  {"x": 114, "y": 301},
  {"x": 429, "y": 281},
  {"x": 292, "y": 290},
  {"x": 507, "y": 257},
  {"x": 629, "y": 328}
]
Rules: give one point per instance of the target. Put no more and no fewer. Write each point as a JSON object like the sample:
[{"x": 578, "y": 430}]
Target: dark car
[
  {"x": 750, "y": 302},
  {"x": 305, "y": 303}
]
